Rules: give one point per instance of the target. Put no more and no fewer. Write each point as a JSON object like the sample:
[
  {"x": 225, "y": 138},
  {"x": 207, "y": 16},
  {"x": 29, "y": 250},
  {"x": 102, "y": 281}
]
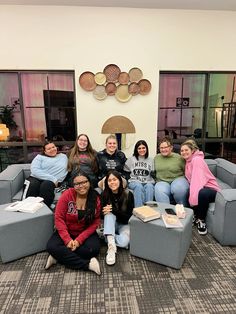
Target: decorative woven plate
[
  {"x": 99, "y": 92},
  {"x": 86, "y": 81},
  {"x": 145, "y": 87},
  {"x": 123, "y": 78},
  {"x": 134, "y": 89},
  {"x": 112, "y": 72},
  {"x": 122, "y": 93},
  {"x": 100, "y": 78},
  {"x": 111, "y": 89},
  {"x": 135, "y": 74}
]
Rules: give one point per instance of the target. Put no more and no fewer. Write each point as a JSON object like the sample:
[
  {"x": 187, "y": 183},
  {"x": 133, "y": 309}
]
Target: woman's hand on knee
[
  {"x": 76, "y": 245},
  {"x": 70, "y": 244},
  {"x": 107, "y": 209}
]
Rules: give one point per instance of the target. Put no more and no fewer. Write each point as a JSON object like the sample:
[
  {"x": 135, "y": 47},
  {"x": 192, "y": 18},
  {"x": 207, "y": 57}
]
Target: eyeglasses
[
  {"x": 164, "y": 147},
  {"x": 79, "y": 184}
]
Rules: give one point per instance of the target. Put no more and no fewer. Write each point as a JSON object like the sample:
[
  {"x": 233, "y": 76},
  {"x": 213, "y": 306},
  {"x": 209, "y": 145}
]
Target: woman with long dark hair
[
  {"x": 75, "y": 242},
  {"x": 141, "y": 168},
  {"x": 117, "y": 208},
  {"x": 82, "y": 157}
]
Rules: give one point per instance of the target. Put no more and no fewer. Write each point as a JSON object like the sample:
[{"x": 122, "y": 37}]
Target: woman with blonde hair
[
  {"x": 82, "y": 157},
  {"x": 111, "y": 158},
  {"x": 203, "y": 185}
]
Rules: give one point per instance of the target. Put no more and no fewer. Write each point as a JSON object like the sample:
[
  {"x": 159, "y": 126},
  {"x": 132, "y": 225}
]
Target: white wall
[{"x": 82, "y": 39}]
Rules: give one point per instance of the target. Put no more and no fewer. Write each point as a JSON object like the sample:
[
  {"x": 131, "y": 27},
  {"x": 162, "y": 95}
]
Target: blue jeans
[
  {"x": 120, "y": 232},
  {"x": 178, "y": 190},
  {"x": 142, "y": 192}
]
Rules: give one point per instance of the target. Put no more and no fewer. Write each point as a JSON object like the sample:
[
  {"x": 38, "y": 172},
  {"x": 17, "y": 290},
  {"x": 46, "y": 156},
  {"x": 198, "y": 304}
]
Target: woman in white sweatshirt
[{"x": 141, "y": 167}]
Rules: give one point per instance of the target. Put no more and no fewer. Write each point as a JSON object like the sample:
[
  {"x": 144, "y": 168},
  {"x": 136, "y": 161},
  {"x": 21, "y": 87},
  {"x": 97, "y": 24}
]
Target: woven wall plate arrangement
[
  {"x": 111, "y": 89},
  {"x": 100, "y": 92},
  {"x": 135, "y": 74},
  {"x": 112, "y": 72},
  {"x": 134, "y": 89},
  {"x": 122, "y": 94},
  {"x": 100, "y": 78},
  {"x": 145, "y": 87},
  {"x": 87, "y": 81},
  {"x": 123, "y": 78}
]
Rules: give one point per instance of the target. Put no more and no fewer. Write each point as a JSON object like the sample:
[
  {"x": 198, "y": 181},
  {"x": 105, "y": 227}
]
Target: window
[
  {"x": 200, "y": 105},
  {"x": 41, "y": 105}
]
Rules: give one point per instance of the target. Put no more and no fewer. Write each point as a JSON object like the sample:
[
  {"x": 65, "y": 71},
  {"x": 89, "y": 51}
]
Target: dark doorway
[{"x": 60, "y": 115}]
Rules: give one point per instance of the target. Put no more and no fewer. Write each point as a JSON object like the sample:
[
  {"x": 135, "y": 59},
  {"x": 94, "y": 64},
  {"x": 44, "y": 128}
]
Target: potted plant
[{"x": 6, "y": 116}]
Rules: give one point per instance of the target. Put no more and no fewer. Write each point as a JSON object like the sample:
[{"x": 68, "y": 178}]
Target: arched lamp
[{"x": 4, "y": 132}]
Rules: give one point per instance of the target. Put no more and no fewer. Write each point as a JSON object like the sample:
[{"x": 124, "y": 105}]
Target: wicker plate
[
  {"x": 145, "y": 87},
  {"x": 134, "y": 89},
  {"x": 135, "y": 74},
  {"x": 111, "y": 89},
  {"x": 86, "y": 81},
  {"x": 100, "y": 78},
  {"x": 123, "y": 78},
  {"x": 122, "y": 93},
  {"x": 112, "y": 72},
  {"x": 99, "y": 92}
]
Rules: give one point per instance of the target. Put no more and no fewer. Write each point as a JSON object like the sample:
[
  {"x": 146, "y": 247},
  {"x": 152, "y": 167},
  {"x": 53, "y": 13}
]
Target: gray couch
[
  {"x": 221, "y": 216},
  {"x": 12, "y": 181}
]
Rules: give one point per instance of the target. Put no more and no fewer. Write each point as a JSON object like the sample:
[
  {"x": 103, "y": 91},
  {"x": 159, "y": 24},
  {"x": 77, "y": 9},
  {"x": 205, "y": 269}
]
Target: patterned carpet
[{"x": 205, "y": 284}]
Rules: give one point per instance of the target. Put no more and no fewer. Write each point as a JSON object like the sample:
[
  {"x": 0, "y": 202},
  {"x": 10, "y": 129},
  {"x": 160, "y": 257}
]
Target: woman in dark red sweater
[{"x": 75, "y": 242}]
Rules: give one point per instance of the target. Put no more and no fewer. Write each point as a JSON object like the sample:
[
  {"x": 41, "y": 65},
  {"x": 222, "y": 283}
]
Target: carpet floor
[{"x": 206, "y": 283}]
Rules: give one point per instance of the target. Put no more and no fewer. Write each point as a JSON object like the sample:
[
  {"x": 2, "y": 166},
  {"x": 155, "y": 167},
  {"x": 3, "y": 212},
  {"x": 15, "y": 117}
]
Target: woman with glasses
[
  {"x": 117, "y": 208},
  {"x": 48, "y": 170},
  {"x": 141, "y": 168},
  {"x": 75, "y": 242},
  {"x": 171, "y": 185},
  {"x": 82, "y": 157}
]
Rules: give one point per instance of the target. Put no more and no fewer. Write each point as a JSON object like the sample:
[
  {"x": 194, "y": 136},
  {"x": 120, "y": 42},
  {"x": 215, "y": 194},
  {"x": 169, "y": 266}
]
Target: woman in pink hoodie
[{"x": 203, "y": 185}]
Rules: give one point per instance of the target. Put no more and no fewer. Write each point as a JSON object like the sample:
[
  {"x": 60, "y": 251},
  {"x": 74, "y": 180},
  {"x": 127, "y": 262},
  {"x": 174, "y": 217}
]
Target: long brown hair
[{"x": 75, "y": 151}]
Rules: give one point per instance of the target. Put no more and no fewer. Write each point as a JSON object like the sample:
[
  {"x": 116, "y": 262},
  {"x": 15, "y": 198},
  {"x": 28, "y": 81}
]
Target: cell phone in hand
[{"x": 170, "y": 211}]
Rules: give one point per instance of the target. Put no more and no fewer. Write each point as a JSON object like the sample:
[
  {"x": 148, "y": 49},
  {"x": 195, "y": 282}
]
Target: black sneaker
[
  {"x": 201, "y": 227},
  {"x": 195, "y": 220}
]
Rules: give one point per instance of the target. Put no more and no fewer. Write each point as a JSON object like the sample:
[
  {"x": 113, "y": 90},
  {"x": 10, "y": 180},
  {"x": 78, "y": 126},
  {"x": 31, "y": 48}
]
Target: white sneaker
[
  {"x": 94, "y": 266},
  {"x": 50, "y": 261},
  {"x": 111, "y": 255}
]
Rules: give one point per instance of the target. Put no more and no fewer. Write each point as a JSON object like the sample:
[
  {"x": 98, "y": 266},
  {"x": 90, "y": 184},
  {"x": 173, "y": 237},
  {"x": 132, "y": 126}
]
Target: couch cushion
[
  {"x": 226, "y": 172},
  {"x": 223, "y": 185},
  {"x": 212, "y": 165}
]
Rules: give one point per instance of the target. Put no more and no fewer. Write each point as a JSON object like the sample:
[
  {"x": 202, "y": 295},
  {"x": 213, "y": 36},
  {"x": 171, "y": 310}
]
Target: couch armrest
[
  {"x": 12, "y": 180},
  {"x": 224, "y": 226},
  {"x": 226, "y": 172}
]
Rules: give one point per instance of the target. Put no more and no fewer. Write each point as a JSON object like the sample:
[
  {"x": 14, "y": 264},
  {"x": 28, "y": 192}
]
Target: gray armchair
[
  {"x": 221, "y": 216},
  {"x": 12, "y": 182}
]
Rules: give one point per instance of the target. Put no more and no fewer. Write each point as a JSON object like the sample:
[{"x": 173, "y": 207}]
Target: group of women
[{"x": 170, "y": 177}]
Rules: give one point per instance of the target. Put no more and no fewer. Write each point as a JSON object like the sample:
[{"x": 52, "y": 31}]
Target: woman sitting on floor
[
  {"x": 117, "y": 204},
  {"x": 48, "y": 170},
  {"x": 75, "y": 242}
]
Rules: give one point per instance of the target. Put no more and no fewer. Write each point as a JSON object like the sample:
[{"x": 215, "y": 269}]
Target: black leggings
[
  {"x": 78, "y": 259},
  {"x": 205, "y": 197},
  {"x": 42, "y": 188}
]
